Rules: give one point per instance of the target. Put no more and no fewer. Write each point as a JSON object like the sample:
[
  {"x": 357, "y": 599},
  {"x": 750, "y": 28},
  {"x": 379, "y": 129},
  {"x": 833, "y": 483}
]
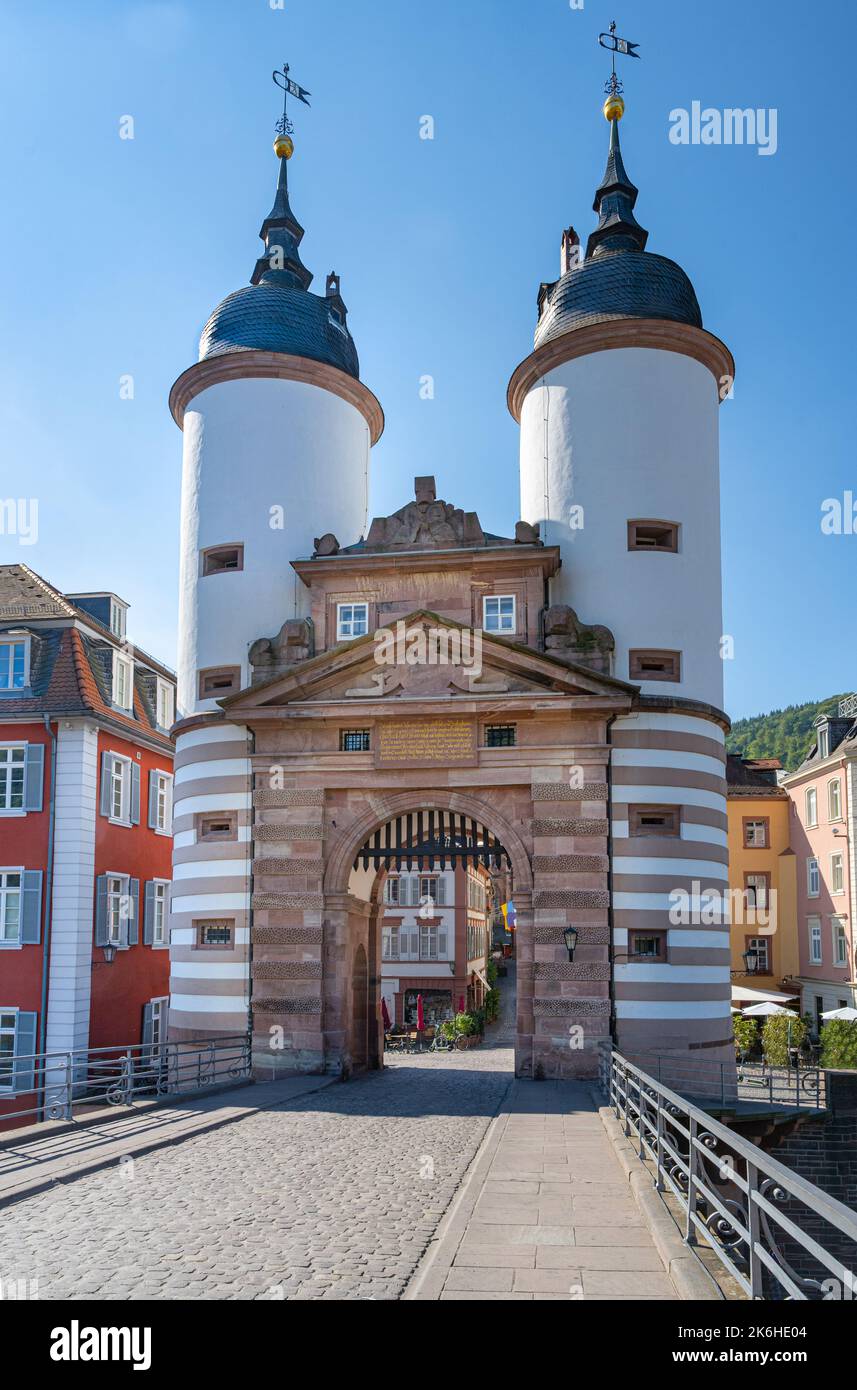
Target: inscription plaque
[{"x": 426, "y": 743}]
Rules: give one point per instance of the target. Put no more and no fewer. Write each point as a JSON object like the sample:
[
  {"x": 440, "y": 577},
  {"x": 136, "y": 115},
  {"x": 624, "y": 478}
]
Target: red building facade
[{"x": 86, "y": 771}]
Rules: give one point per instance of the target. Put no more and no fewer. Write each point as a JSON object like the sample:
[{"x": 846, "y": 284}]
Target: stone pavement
[
  {"x": 332, "y": 1195},
  {"x": 547, "y": 1212}
]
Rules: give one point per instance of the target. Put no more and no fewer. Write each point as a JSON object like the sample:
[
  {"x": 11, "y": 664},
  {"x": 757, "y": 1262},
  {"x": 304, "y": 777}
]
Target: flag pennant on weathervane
[
  {"x": 283, "y": 80},
  {"x": 614, "y": 44}
]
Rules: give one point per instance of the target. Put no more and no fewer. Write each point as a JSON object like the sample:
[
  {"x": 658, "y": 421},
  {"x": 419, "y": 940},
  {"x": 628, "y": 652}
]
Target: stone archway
[{"x": 353, "y": 912}]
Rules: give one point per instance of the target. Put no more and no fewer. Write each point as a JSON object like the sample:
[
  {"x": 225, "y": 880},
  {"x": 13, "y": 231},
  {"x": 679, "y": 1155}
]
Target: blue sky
[{"x": 113, "y": 252}]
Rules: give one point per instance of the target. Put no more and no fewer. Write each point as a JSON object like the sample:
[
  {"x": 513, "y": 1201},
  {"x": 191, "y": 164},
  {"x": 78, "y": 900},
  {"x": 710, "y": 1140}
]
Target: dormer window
[
  {"x": 352, "y": 620},
  {"x": 123, "y": 681},
  {"x": 824, "y": 741},
  {"x": 118, "y": 618},
  {"x": 14, "y": 662},
  {"x": 166, "y": 705},
  {"x": 498, "y": 613}
]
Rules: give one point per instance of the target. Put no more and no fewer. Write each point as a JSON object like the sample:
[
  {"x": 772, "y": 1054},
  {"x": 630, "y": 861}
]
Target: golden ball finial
[
  {"x": 284, "y": 147},
  {"x": 614, "y": 107}
]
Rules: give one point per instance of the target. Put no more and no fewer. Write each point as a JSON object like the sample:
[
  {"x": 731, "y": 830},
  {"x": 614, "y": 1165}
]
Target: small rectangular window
[
  {"x": 219, "y": 681},
  {"x": 222, "y": 559},
  {"x": 501, "y": 735},
  {"x": 653, "y": 535},
  {"x": 354, "y": 741},
  {"x": 647, "y": 945},
  {"x": 813, "y": 880},
  {"x": 755, "y": 834},
  {"x": 654, "y": 820},
  {"x": 216, "y": 825},
  {"x": 216, "y": 931},
  {"x": 352, "y": 620},
  {"x": 498, "y": 613},
  {"x": 814, "y": 925},
  {"x": 654, "y": 665}
]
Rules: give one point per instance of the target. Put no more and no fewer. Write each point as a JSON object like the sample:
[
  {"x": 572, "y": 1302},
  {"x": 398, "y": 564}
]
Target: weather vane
[
  {"x": 284, "y": 145},
  {"x": 614, "y": 106}
]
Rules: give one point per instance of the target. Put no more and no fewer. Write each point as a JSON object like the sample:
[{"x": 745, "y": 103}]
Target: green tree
[
  {"x": 784, "y": 733},
  {"x": 839, "y": 1044},
  {"x": 779, "y": 1033},
  {"x": 746, "y": 1032}
]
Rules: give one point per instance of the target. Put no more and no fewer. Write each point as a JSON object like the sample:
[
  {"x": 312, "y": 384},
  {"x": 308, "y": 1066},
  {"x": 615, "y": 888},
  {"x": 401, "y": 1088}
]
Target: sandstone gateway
[{"x": 563, "y": 722}]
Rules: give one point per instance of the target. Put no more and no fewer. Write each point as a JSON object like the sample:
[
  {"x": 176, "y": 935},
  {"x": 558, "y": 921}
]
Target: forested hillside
[{"x": 784, "y": 733}]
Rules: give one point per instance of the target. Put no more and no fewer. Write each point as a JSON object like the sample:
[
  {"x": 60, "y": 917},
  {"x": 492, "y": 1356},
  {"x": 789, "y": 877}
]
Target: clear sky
[{"x": 113, "y": 253}]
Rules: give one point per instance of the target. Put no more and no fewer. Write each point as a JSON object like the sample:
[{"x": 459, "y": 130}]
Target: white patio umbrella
[
  {"x": 846, "y": 1012},
  {"x": 763, "y": 1010}
]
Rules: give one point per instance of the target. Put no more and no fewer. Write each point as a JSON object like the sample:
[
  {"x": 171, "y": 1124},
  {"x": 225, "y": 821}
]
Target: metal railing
[
  {"x": 779, "y": 1236},
  {"x": 725, "y": 1084},
  {"x": 848, "y": 707},
  {"x": 58, "y": 1085}
]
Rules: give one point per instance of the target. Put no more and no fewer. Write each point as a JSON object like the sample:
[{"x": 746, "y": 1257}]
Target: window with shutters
[
  {"x": 12, "y": 768},
  {"x": 391, "y": 890},
  {"x": 160, "y": 802},
  {"x": 8, "y": 1029},
  {"x": 119, "y": 774},
  {"x": 432, "y": 942},
  {"x": 160, "y": 903},
  {"x": 15, "y": 663},
  {"x": 10, "y": 907},
  {"x": 390, "y": 943},
  {"x": 118, "y": 908}
]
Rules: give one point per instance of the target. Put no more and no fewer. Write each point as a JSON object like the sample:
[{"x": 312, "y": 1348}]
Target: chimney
[{"x": 570, "y": 257}]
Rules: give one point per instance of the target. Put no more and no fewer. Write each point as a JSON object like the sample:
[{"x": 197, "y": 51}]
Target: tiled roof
[
  {"x": 276, "y": 318},
  {"x": 753, "y": 777},
  {"x": 618, "y": 285},
  {"x": 69, "y": 670}
]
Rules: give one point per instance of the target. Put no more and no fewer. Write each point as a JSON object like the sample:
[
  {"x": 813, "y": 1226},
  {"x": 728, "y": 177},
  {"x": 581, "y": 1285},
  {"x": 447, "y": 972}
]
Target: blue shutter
[
  {"x": 106, "y": 768},
  {"x": 34, "y": 776},
  {"x": 153, "y": 800},
  {"x": 149, "y": 914},
  {"x": 25, "y": 1046},
  {"x": 101, "y": 910},
  {"x": 148, "y": 1024},
  {"x": 31, "y": 907},
  {"x": 135, "y": 793},
  {"x": 133, "y": 923}
]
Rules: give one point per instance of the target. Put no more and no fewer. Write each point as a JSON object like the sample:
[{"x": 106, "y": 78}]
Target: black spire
[
  {"x": 618, "y": 228},
  {"x": 282, "y": 234}
]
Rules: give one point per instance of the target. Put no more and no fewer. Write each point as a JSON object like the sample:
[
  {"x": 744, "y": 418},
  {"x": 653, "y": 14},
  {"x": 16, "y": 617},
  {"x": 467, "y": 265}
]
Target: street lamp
[
  {"x": 569, "y": 936},
  {"x": 751, "y": 960},
  {"x": 109, "y": 954}
]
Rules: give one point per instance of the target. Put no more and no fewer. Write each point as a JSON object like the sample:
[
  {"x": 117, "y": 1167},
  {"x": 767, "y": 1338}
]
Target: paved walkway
[{"x": 547, "y": 1213}]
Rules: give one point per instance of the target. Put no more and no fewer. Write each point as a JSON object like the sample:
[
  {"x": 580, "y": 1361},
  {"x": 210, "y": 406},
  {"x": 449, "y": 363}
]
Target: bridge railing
[
  {"x": 779, "y": 1236},
  {"x": 800, "y": 1087},
  {"x": 61, "y": 1085}
]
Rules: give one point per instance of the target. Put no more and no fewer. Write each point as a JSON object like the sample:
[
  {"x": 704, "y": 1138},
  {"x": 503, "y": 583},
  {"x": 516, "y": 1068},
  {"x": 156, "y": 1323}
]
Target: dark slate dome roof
[
  {"x": 622, "y": 284},
  {"x": 279, "y": 318}
]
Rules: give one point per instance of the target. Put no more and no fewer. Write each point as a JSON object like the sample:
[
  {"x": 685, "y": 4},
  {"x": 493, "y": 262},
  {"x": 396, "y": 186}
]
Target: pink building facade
[{"x": 823, "y": 793}]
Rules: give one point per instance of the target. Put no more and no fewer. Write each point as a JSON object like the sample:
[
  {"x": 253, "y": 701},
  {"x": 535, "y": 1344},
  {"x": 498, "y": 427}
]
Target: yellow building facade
[{"x": 763, "y": 881}]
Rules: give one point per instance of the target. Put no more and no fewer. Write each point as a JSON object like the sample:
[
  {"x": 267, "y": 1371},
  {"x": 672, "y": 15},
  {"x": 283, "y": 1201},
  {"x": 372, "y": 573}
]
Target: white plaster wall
[
  {"x": 250, "y": 445},
  {"x": 632, "y": 433},
  {"x": 73, "y": 888}
]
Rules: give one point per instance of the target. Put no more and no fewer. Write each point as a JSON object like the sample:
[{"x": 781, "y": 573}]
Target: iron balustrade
[
  {"x": 777, "y": 1235},
  {"x": 722, "y": 1083},
  {"x": 63, "y": 1084}
]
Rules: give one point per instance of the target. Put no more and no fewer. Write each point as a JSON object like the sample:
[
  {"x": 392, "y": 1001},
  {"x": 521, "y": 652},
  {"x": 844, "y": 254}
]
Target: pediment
[{"x": 425, "y": 656}]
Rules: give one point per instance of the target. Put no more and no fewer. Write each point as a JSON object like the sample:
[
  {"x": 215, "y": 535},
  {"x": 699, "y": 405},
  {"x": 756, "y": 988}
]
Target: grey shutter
[
  {"x": 31, "y": 907},
  {"x": 133, "y": 922},
  {"x": 149, "y": 914},
  {"x": 34, "y": 776},
  {"x": 135, "y": 793},
  {"x": 441, "y": 890},
  {"x": 101, "y": 910},
  {"x": 153, "y": 800},
  {"x": 25, "y": 1046},
  {"x": 148, "y": 1024},
  {"x": 441, "y": 943},
  {"x": 106, "y": 769}
]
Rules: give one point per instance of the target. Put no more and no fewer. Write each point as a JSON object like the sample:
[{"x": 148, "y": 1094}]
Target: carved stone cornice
[
  {"x": 233, "y": 366},
  {"x": 663, "y": 334}
]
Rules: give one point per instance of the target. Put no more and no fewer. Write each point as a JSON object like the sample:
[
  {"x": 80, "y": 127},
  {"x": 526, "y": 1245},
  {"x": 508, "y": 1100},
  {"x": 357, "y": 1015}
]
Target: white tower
[
  {"x": 277, "y": 431},
  {"x": 618, "y": 407}
]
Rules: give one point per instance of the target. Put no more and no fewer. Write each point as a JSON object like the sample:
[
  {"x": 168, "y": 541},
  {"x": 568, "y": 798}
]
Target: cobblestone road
[{"x": 333, "y": 1196}]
